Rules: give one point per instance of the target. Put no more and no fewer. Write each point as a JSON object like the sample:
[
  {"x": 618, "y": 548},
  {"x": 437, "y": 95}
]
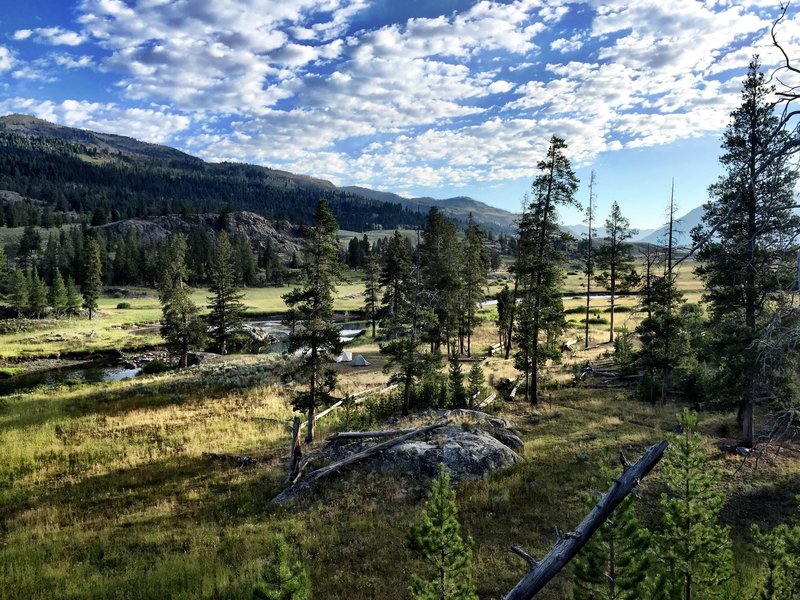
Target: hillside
[
  {"x": 681, "y": 231},
  {"x": 74, "y": 169},
  {"x": 457, "y": 208}
]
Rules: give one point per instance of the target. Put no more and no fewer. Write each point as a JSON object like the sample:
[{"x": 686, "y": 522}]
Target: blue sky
[{"x": 419, "y": 97}]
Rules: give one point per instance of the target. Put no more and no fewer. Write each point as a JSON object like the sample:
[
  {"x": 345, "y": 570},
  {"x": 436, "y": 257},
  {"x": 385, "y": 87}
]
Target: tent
[
  {"x": 359, "y": 361},
  {"x": 343, "y": 357}
]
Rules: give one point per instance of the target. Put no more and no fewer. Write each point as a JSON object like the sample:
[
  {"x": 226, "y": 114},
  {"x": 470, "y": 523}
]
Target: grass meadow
[{"x": 106, "y": 491}]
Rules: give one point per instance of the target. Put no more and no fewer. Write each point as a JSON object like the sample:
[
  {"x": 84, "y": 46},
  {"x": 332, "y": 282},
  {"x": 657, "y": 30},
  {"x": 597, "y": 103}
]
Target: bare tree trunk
[
  {"x": 295, "y": 453},
  {"x": 569, "y": 544}
]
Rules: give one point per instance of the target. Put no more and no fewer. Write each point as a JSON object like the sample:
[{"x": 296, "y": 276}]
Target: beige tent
[
  {"x": 359, "y": 361},
  {"x": 343, "y": 357}
]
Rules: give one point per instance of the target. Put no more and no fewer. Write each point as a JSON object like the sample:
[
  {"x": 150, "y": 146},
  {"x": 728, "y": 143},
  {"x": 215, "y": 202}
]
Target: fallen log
[
  {"x": 486, "y": 401},
  {"x": 298, "y": 487},
  {"x": 569, "y": 544},
  {"x": 368, "y": 434}
]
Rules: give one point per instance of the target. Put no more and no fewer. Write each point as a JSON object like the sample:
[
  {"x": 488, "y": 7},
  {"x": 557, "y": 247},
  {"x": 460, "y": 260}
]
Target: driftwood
[{"x": 569, "y": 544}]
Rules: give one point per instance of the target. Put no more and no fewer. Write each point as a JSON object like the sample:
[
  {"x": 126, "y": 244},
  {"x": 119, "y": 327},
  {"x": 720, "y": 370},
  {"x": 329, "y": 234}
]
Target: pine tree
[
  {"x": 19, "y": 292},
  {"x": 313, "y": 300},
  {"x": 615, "y": 259},
  {"x": 438, "y": 539},
  {"x": 37, "y": 294},
  {"x": 693, "y": 549},
  {"x": 371, "y": 288},
  {"x": 283, "y": 577},
  {"x": 504, "y": 302},
  {"x": 538, "y": 264},
  {"x": 748, "y": 263},
  {"x": 225, "y": 307},
  {"x": 458, "y": 393},
  {"x": 474, "y": 273},
  {"x": 589, "y": 264},
  {"x": 181, "y": 325},
  {"x": 614, "y": 563},
  {"x": 779, "y": 551},
  {"x": 396, "y": 281},
  {"x": 58, "y": 295},
  {"x": 91, "y": 277},
  {"x": 3, "y": 268},
  {"x": 73, "y": 298},
  {"x": 475, "y": 379},
  {"x": 439, "y": 260}
]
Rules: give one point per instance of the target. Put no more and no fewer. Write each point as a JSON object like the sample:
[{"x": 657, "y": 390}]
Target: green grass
[{"x": 105, "y": 492}]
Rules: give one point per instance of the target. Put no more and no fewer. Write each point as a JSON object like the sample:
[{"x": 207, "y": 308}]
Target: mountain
[
  {"x": 457, "y": 208},
  {"x": 83, "y": 171},
  {"x": 681, "y": 230}
]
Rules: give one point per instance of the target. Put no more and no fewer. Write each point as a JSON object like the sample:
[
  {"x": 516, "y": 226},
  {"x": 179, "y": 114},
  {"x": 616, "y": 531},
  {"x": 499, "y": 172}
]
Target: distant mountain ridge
[
  {"x": 458, "y": 207},
  {"x": 92, "y": 168}
]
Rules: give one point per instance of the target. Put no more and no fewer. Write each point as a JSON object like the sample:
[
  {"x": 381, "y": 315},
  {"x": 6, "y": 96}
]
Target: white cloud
[
  {"x": 7, "y": 60},
  {"x": 55, "y": 36},
  {"x": 72, "y": 62},
  {"x": 155, "y": 124}
]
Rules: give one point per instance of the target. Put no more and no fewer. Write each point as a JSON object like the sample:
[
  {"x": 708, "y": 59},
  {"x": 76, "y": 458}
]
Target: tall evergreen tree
[
  {"x": 615, "y": 259},
  {"x": 440, "y": 260},
  {"x": 439, "y": 541},
  {"x": 226, "y": 311},
  {"x": 458, "y": 393},
  {"x": 181, "y": 325},
  {"x": 614, "y": 563},
  {"x": 396, "y": 281},
  {"x": 538, "y": 264},
  {"x": 474, "y": 273},
  {"x": 693, "y": 549},
  {"x": 589, "y": 265},
  {"x": 372, "y": 288},
  {"x": 58, "y": 295},
  {"x": 19, "y": 292},
  {"x": 504, "y": 301},
  {"x": 318, "y": 339},
  {"x": 748, "y": 263},
  {"x": 73, "y": 298},
  {"x": 475, "y": 380},
  {"x": 37, "y": 294},
  {"x": 92, "y": 277}
]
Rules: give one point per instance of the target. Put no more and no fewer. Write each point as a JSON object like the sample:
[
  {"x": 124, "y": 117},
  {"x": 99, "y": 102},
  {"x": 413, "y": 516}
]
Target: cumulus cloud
[
  {"x": 55, "y": 36},
  {"x": 154, "y": 124},
  {"x": 470, "y": 95}
]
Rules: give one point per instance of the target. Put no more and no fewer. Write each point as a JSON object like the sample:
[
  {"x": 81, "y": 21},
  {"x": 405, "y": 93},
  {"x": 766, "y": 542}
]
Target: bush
[
  {"x": 154, "y": 367},
  {"x": 123, "y": 305}
]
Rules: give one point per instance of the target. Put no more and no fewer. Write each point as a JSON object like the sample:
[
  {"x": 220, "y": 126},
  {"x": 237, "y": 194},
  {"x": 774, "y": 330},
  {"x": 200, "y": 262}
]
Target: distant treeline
[{"x": 70, "y": 176}]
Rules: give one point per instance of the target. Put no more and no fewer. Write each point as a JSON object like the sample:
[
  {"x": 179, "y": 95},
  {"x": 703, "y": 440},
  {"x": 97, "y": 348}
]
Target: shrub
[
  {"x": 123, "y": 305},
  {"x": 154, "y": 367}
]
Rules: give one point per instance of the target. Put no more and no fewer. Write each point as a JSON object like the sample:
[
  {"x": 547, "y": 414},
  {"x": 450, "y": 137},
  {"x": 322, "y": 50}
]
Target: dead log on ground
[
  {"x": 314, "y": 476},
  {"x": 354, "y": 435},
  {"x": 569, "y": 544}
]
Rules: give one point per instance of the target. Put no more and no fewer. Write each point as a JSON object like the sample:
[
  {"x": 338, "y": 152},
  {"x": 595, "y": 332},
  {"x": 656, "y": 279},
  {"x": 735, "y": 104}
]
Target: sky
[{"x": 419, "y": 97}]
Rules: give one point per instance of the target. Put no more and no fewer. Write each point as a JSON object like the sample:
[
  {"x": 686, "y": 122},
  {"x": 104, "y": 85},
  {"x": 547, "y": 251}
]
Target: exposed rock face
[
  {"x": 260, "y": 232},
  {"x": 472, "y": 446}
]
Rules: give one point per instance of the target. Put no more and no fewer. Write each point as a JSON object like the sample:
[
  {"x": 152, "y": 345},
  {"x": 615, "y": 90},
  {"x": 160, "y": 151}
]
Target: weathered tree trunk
[
  {"x": 295, "y": 453},
  {"x": 570, "y": 543}
]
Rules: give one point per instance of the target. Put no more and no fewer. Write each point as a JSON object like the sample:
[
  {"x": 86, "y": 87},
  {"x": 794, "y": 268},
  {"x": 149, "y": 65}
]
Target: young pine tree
[
  {"x": 779, "y": 551},
  {"x": 58, "y": 295},
  {"x": 694, "y": 551},
  {"x": 317, "y": 338},
  {"x": 18, "y": 293},
  {"x": 614, "y": 563},
  {"x": 37, "y": 294},
  {"x": 73, "y": 299},
  {"x": 181, "y": 325},
  {"x": 438, "y": 539},
  {"x": 283, "y": 578},
  {"x": 475, "y": 380},
  {"x": 92, "y": 276},
  {"x": 458, "y": 393},
  {"x": 225, "y": 305}
]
